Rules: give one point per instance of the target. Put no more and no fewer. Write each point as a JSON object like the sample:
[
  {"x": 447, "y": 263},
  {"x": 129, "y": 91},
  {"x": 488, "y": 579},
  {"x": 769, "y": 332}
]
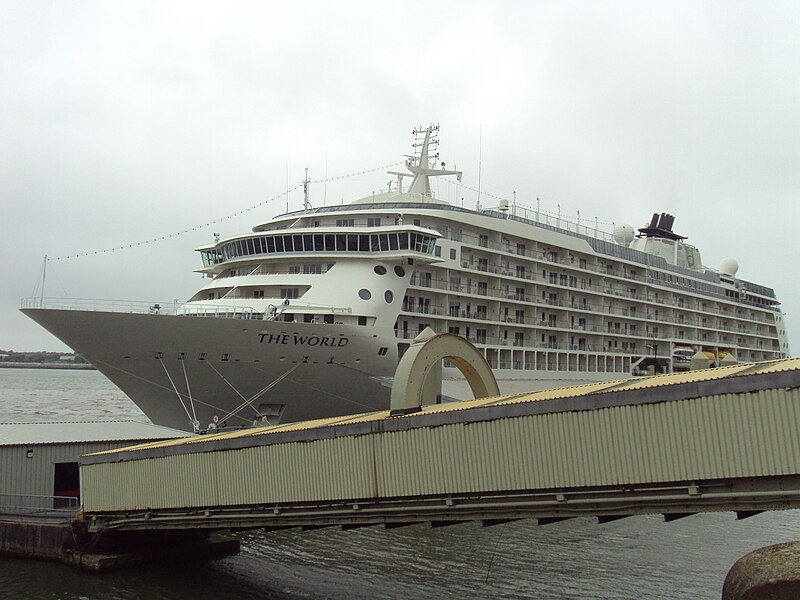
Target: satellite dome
[
  {"x": 728, "y": 266},
  {"x": 623, "y": 234}
]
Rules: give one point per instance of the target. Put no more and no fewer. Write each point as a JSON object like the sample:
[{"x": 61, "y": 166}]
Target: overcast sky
[{"x": 125, "y": 122}]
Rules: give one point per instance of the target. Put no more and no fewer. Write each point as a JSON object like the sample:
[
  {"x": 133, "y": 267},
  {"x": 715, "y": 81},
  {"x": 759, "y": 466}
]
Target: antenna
[
  {"x": 44, "y": 277},
  {"x": 480, "y": 150},
  {"x": 306, "y": 182}
]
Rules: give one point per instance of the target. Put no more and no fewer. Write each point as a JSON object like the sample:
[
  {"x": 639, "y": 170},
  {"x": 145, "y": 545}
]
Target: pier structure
[{"x": 723, "y": 439}]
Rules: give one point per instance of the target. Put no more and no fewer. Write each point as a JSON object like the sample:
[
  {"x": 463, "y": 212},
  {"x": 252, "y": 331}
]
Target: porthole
[
  {"x": 388, "y": 296},
  {"x": 364, "y": 294},
  {"x": 380, "y": 269},
  {"x": 399, "y": 271}
]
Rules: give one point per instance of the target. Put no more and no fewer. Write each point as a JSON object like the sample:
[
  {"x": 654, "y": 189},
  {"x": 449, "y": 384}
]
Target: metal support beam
[
  {"x": 669, "y": 517},
  {"x": 746, "y": 514},
  {"x": 609, "y": 518},
  {"x": 551, "y": 520}
]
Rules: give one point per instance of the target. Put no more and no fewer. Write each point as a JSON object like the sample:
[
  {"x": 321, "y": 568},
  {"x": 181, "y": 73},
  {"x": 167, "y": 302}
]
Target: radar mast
[{"x": 423, "y": 163}]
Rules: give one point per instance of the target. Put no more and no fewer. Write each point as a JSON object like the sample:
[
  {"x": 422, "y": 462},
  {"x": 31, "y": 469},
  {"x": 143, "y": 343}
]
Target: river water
[{"x": 637, "y": 557}]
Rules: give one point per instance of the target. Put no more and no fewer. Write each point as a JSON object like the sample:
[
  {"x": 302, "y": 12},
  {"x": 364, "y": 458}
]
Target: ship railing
[
  {"x": 102, "y": 305},
  {"x": 219, "y": 311},
  {"x": 140, "y": 307},
  {"x": 38, "y": 506}
]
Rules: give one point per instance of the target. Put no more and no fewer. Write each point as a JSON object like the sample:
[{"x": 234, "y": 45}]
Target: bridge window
[{"x": 350, "y": 242}]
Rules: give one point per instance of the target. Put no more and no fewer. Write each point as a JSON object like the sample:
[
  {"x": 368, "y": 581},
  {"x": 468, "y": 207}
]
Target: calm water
[{"x": 639, "y": 557}]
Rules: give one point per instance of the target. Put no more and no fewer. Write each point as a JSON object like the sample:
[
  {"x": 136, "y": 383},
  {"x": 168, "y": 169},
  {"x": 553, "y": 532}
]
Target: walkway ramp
[{"x": 723, "y": 439}]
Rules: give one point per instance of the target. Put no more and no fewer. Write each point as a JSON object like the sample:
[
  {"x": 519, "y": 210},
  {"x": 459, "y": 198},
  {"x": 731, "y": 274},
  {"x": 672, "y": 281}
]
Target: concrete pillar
[{"x": 770, "y": 573}]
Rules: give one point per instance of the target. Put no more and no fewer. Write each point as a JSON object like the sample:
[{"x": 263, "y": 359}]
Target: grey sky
[{"x": 123, "y": 122}]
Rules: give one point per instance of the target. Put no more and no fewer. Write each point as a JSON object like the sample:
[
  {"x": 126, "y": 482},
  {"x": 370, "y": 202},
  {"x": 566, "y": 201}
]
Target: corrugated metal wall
[
  {"x": 733, "y": 435},
  {"x": 35, "y": 476}
]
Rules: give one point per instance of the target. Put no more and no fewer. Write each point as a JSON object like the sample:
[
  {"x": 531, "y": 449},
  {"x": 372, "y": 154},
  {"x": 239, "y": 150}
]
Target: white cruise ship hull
[{"x": 181, "y": 368}]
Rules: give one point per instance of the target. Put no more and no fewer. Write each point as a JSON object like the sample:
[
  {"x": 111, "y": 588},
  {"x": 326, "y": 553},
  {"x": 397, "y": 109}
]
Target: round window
[
  {"x": 388, "y": 296},
  {"x": 380, "y": 270},
  {"x": 364, "y": 294},
  {"x": 399, "y": 271}
]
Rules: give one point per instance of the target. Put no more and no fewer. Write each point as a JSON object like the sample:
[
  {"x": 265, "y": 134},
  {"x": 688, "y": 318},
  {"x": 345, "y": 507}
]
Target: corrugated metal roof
[
  {"x": 686, "y": 377},
  {"x": 19, "y": 434},
  {"x": 778, "y": 366},
  {"x": 566, "y": 392},
  {"x": 577, "y": 391}
]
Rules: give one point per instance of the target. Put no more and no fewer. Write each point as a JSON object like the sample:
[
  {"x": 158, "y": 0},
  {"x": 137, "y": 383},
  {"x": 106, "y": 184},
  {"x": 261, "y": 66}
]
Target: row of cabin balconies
[
  {"x": 587, "y": 308},
  {"x": 694, "y": 303},
  {"x": 478, "y": 289},
  {"x": 609, "y": 269},
  {"x": 593, "y": 264},
  {"x": 618, "y": 330},
  {"x": 633, "y": 349},
  {"x": 605, "y": 266},
  {"x": 496, "y": 340},
  {"x": 539, "y": 255}
]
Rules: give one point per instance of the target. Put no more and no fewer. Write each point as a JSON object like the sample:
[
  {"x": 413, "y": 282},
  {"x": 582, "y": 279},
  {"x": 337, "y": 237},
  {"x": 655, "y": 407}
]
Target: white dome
[
  {"x": 623, "y": 234},
  {"x": 728, "y": 266}
]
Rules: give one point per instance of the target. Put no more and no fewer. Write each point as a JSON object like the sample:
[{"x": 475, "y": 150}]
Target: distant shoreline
[{"x": 47, "y": 365}]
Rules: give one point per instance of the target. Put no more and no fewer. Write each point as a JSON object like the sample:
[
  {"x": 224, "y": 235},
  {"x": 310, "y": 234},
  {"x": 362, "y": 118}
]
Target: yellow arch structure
[{"x": 425, "y": 353}]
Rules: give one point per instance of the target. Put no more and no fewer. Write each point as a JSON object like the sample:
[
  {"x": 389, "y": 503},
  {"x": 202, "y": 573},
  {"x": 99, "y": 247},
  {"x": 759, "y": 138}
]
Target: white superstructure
[{"x": 306, "y": 315}]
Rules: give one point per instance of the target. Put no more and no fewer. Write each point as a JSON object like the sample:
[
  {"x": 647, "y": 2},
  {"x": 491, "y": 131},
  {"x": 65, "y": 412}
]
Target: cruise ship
[{"x": 307, "y": 315}]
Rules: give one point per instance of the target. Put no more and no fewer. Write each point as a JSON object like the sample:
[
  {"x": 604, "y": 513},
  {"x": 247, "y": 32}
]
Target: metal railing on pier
[{"x": 29, "y": 505}]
